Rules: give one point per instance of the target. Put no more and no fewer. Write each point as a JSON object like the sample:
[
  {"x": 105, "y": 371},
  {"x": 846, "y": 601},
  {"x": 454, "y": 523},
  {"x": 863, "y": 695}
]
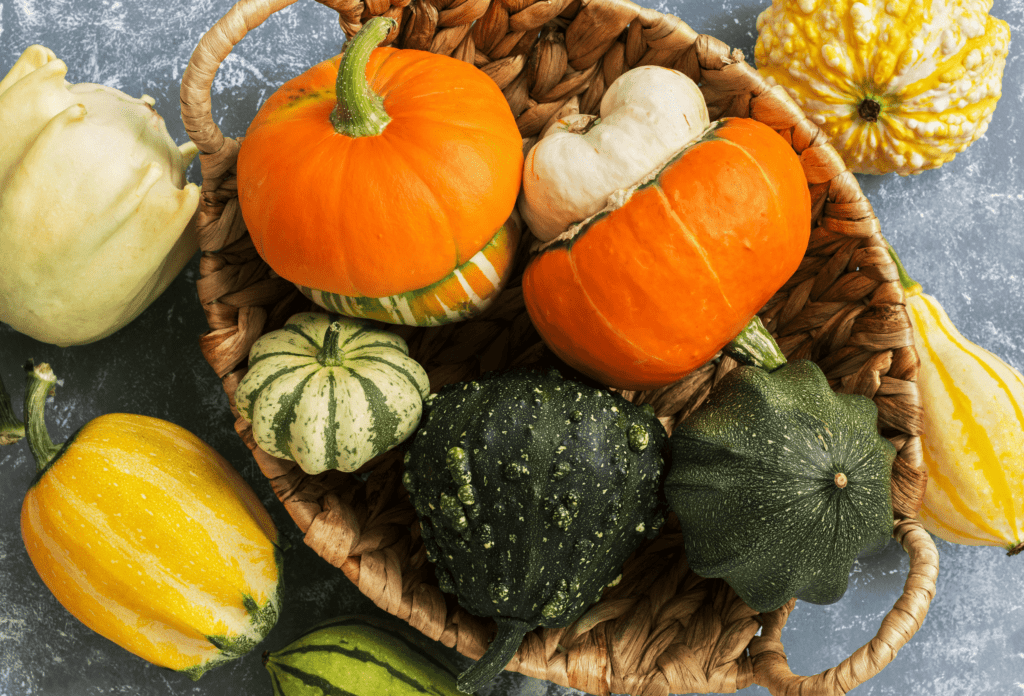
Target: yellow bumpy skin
[{"x": 898, "y": 85}]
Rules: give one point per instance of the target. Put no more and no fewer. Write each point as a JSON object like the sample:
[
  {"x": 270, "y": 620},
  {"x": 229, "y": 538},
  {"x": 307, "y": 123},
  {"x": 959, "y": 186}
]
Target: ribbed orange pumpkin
[
  {"x": 382, "y": 182},
  {"x": 642, "y": 294}
]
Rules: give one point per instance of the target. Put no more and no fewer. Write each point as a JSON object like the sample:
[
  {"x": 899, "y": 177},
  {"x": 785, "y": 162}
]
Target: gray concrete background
[{"x": 959, "y": 230}]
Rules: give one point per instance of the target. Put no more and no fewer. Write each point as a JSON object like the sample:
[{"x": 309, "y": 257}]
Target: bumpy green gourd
[
  {"x": 532, "y": 489},
  {"x": 361, "y": 656},
  {"x": 779, "y": 483}
]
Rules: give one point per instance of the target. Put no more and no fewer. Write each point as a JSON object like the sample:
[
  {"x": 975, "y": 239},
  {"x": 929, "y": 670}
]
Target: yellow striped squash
[
  {"x": 331, "y": 392},
  {"x": 973, "y": 438},
  {"x": 150, "y": 538},
  {"x": 464, "y": 293}
]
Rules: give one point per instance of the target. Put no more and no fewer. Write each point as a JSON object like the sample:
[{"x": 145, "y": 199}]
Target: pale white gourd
[
  {"x": 582, "y": 165},
  {"x": 96, "y": 218}
]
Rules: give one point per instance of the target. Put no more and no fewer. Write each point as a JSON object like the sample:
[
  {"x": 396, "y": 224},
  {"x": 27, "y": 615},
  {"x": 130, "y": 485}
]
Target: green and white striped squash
[
  {"x": 361, "y": 656},
  {"x": 331, "y": 392}
]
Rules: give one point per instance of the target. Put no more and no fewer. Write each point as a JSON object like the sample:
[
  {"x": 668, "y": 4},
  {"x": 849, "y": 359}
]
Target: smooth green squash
[
  {"x": 531, "y": 490},
  {"x": 778, "y": 482}
]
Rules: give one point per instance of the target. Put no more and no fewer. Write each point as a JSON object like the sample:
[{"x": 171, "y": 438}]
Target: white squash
[
  {"x": 583, "y": 165},
  {"x": 96, "y": 218}
]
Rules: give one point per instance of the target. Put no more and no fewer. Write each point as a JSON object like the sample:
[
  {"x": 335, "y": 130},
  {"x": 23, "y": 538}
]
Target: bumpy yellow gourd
[
  {"x": 149, "y": 537},
  {"x": 973, "y": 437},
  {"x": 897, "y": 85},
  {"x": 96, "y": 218}
]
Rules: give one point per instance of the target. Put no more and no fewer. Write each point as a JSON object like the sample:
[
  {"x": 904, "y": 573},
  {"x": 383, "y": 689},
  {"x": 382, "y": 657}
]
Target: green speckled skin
[
  {"x": 752, "y": 479},
  {"x": 532, "y": 489}
]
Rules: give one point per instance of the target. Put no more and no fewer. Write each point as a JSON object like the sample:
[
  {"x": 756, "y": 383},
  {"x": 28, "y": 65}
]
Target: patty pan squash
[
  {"x": 897, "y": 85},
  {"x": 779, "y": 483},
  {"x": 96, "y": 218},
  {"x": 149, "y": 537},
  {"x": 381, "y": 183}
]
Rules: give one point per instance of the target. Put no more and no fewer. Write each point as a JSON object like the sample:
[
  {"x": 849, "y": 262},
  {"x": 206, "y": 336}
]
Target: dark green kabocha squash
[
  {"x": 531, "y": 490},
  {"x": 779, "y": 483}
]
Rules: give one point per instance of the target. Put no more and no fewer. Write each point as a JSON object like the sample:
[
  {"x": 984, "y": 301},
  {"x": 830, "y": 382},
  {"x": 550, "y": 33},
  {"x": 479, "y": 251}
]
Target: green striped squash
[
  {"x": 331, "y": 392},
  {"x": 462, "y": 294},
  {"x": 361, "y": 656}
]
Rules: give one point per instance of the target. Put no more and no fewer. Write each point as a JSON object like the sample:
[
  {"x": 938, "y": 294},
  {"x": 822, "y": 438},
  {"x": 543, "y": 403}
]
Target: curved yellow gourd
[
  {"x": 973, "y": 437},
  {"x": 898, "y": 85},
  {"x": 150, "y": 538}
]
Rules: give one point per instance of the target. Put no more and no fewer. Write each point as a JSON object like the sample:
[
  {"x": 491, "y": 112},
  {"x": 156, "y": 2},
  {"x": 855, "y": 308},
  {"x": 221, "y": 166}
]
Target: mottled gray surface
[{"x": 959, "y": 230}]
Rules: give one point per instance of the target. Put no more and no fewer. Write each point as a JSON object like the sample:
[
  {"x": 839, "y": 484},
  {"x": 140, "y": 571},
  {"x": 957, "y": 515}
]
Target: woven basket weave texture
[{"x": 662, "y": 629}]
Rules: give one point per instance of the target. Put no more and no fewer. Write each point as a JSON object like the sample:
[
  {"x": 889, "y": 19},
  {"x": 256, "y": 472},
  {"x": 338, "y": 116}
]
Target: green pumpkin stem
[
  {"x": 755, "y": 346},
  {"x": 360, "y": 111},
  {"x": 910, "y": 286},
  {"x": 41, "y": 383},
  {"x": 332, "y": 354},
  {"x": 501, "y": 650},
  {"x": 11, "y": 429}
]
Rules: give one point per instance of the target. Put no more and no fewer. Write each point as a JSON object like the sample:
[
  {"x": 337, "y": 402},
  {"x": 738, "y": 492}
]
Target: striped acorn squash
[
  {"x": 973, "y": 433},
  {"x": 331, "y": 392},
  {"x": 149, "y": 537},
  {"x": 361, "y": 656}
]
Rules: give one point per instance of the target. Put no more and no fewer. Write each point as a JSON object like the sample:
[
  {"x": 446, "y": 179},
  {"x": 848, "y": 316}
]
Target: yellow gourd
[
  {"x": 149, "y": 537},
  {"x": 973, "y": 437},
  {"x": 897, "y": 85}
]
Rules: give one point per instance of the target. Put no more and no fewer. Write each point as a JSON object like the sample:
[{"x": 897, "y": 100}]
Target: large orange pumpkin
[
  {"x": 381, "y": 174},
  {"x": 639, "y": 295}
]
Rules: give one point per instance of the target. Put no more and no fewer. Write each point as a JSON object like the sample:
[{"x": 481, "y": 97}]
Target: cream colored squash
[
  {"x": 96, "y": 218},
  {"x": 647, "y": 115},
  {"x": 973, "y": 436},
  {"x": 898, "y": 85}
]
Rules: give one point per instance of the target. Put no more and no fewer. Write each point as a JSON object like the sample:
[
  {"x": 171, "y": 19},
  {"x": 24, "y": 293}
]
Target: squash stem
[
  {"x": 11, "y": 429},
  {"x": 360, "y": 111},
  {"x": 910, "y": 286},
  {"x": 41, "y": 383},
  {"x": 755, "y": 346},
  {"x": 501, "y": 650},
  {"x": 331, "y": 354}
]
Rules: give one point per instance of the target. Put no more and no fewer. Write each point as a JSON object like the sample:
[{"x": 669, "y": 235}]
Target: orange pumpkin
[
  {"x": 380, "y": 172},
  {"x": 639, "y": 295}
]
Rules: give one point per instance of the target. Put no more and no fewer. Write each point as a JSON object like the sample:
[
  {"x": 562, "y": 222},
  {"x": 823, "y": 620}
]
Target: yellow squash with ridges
[
  {"x": 150, "y": 538},
  {"x": 897, "y": 85},
  {"x": 973, "y": 438}
]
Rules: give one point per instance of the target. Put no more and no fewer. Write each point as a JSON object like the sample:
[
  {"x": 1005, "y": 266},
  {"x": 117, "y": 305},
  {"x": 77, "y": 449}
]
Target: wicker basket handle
[
  {"x": 214, "y": 47},
  {"x": 771, "y": 670}
]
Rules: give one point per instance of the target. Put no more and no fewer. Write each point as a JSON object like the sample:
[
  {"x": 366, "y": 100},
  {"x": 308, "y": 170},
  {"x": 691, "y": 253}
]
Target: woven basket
[{"x": 662, "y": 629}]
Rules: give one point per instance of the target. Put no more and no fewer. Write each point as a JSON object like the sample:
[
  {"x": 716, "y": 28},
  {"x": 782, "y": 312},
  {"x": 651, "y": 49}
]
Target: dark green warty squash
[
  {"x": 779, "y": 483},
  {"x": 531, "y": 490}
]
